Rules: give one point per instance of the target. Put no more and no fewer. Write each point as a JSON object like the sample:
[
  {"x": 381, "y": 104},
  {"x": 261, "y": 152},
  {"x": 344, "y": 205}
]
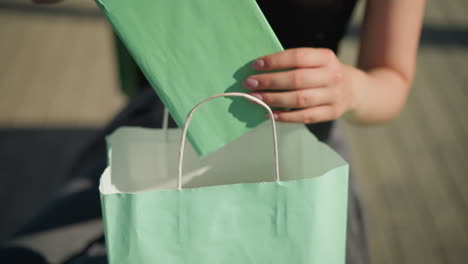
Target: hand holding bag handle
[{"x": 189, "y": 117}]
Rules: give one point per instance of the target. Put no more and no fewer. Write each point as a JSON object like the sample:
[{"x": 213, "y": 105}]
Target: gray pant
[{"x": 356, "y": 244}]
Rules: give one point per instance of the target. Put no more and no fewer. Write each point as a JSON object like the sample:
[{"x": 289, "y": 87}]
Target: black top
[{"x": 309, "y": 23}]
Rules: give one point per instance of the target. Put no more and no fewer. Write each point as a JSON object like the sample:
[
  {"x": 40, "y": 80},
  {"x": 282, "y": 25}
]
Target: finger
[
  {"x": 294, "y": 58},
  {"x": 307, "y": 116},
  {"x": 289, "y": 80},
  {"x": 296, "y": 99}
]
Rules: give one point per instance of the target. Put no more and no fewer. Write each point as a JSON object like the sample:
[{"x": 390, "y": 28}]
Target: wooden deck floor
[
  {"x": 414, "y": 171},
  {"x": 57, "y": 65},
  {"x": 58, "y": 69}
]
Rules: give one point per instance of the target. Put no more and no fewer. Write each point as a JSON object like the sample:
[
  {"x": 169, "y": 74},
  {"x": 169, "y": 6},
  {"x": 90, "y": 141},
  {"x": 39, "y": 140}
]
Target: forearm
[
  {"x": 378, "y": 94},
  {"x": 387, "y": 58}
]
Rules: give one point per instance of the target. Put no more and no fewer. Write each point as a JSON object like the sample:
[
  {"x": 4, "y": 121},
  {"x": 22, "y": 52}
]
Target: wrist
[
  {"x": 378, "y": 95},
  {"x": 356, "y": 80}
]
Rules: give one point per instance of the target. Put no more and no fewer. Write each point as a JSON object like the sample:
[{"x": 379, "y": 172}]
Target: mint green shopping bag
[{"x": 234, "y": 206}]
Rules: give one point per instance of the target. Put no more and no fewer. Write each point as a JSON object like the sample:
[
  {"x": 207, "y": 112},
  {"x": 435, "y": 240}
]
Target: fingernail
[
  {"x": 258, "y": 64},
  {"x": 250, "y": 83},
  {"x": 275, "y": 116},
  {"x": 256, "y": 95}
]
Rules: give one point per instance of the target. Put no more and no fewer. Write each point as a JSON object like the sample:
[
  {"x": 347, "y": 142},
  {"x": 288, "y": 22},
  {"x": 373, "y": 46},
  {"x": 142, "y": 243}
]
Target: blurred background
[{"x": 59, "y": 84}]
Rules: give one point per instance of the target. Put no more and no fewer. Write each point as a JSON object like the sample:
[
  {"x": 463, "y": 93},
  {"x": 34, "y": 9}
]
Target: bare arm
[{"x": 387, "y": 55}]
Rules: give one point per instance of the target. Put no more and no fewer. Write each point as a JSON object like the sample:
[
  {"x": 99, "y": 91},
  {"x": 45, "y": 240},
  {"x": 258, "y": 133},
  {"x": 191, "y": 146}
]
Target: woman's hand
[
  {"x": 313, "y": 82},
  {"x": 319, "y": 87}
]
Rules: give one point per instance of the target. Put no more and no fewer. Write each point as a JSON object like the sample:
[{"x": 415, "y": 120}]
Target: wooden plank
[
  {"x": 404, "y": 209},
  {"x": 435, "y": 202},
  {"x": 13, "y": 78},
  {"x": 454, "y": 11},
  {"x": 40, "y": 72},
  {"x": 445, "y": 184},
  {"x": 73, "y": 82},
  {"x": 445, "y": 70},
  {"x": 60, "y": 70},
  {"x": 384, "y": 247},
  {"x": 452, "y": 59},
  {"x": 104, "y": 86},
  {"x": 434, "y": 127}
]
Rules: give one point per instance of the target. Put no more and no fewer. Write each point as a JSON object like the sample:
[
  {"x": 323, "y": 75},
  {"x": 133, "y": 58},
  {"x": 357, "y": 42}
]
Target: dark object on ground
[{"x": 19, "y": 255}]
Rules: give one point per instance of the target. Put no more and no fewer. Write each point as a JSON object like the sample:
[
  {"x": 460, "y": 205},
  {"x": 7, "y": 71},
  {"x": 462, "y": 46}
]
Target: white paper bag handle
[
  {"x": 165, "y": 122},
  {"x": 189, "y": 118}
]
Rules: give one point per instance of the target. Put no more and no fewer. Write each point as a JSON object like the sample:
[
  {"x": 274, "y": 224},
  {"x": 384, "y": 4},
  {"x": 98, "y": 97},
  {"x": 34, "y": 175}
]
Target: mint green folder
[{"x": 192, "y": 49}]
